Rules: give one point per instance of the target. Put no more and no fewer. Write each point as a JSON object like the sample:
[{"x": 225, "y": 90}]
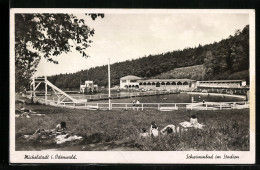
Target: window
[
  {"x": 123, "y": 81},
  {"x": 132, "y": 80}
]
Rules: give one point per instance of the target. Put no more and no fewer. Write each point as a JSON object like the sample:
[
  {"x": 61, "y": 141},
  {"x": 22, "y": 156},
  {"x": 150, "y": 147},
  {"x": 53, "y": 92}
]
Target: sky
[{"x": 123, "y": 37}]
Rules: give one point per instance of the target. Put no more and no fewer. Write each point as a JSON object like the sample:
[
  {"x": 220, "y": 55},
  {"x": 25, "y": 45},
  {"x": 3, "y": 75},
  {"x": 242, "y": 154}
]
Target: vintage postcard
[{"x": 142, "y": 86}]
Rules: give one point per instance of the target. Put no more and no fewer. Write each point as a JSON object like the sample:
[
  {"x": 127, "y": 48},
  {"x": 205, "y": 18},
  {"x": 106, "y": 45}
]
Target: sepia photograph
[{"x": 132, "y": 86}]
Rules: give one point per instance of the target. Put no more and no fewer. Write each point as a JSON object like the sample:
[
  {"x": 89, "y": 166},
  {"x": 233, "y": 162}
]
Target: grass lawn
[{"x": 225, "y": 130}]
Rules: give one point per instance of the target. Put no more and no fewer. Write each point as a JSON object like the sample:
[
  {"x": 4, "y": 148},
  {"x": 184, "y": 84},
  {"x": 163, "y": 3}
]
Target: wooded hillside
[{"x": 218, "y": 61}]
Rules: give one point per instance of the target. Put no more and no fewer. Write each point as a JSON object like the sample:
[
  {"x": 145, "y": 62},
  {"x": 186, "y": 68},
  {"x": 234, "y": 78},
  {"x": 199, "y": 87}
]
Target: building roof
[
  {"x": 166, "y": 80},
  {"x": 218, "y": 81},
  {"x": 130, "y": 77}
]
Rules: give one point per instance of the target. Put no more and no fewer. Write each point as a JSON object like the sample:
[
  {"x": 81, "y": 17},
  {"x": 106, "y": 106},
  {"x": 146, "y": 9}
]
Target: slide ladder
[
  {"x": 61, "y": 92},
  {"x": 62, "y": 96}
]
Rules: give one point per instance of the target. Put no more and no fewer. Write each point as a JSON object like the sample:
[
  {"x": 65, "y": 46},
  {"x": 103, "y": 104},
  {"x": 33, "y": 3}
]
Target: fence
[{"x": 150, "y": 106}]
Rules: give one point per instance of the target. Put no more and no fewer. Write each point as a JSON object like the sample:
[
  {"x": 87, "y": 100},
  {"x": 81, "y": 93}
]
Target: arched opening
[
  {"x": 163, "y": 83},
  {"x": 136, "y": 86},
  {"x": 158, "y": 84},
  {"x": 168, "y": 83},
  {"x": 126, "y": 86},
  {"x": 179, "y": 83},
  {"x": 173, "y": 83},
  {"x": 140, "y": 83},
  {"x": 185, "y": 83},
  {"x": 144, "y": 83},
  {"x": 148, "y": 83},
  {"x": 153, "y": 83}
]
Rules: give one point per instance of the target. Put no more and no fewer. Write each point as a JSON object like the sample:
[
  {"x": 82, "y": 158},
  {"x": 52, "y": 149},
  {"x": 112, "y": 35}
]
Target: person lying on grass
[
  {"x": 23, "y": 110},
  {"x": 172, "y": 129},
  {"x": 193, "y": 123},
  {"x": 168, "y": 129},
  {"x": 144, "y": 133},
  {"x": 154, "y": 132},
  {"x": 61, "y": 126},
  {"x": 25, "y": 114}
]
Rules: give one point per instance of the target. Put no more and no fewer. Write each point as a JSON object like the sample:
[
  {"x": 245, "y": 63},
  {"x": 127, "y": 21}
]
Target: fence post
[
  {"x": 206, "y": 106},
  {"x": 97, "y": 106},
  {"x": 158, "y": 106},
  {"x": 220, "y": 107},
  {"x": 175, "y": 106}
]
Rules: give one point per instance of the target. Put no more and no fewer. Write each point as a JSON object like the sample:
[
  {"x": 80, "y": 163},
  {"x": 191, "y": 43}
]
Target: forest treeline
[{"x": 220, "y": 60}]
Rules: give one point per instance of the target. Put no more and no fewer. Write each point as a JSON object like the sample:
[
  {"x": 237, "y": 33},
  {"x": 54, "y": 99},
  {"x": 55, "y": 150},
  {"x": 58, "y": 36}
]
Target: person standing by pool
[
  {"x": 137, "y": 104},
  {"x": 133, "y": 104},
  {"x": 203, "y": 101}
]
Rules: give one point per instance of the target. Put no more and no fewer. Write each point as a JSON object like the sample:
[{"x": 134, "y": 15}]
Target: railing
[{"x": 150, "y": 106}]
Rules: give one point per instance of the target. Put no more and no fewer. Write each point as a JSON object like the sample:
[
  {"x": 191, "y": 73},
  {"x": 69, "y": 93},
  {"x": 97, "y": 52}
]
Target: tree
[
  {"x": 47, "y": 35},
  {"x": 209, "y": 64}
]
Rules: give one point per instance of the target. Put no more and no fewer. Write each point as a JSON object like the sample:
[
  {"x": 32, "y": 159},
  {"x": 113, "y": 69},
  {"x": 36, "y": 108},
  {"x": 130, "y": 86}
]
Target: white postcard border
[{"x": 139, "y": 157}]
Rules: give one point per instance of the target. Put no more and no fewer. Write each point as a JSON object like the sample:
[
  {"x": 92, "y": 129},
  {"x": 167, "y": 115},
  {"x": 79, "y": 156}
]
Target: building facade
[
  {"x": 166, "y": 84},
  {"x": 135, "y": 82},
  {"x": 129, "y": 82},
  {"x": 88, "y": 86}
]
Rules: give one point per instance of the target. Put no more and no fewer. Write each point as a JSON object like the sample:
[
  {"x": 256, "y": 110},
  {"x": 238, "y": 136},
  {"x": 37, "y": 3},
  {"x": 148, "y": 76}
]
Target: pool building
[
  {"x": 129, "y": 81},
  {"x": 166, "y": 84},
  {"x": 135, "y": 82},
  {"x": 88, "y": 86},
  {"x": 222, "y": 83}
]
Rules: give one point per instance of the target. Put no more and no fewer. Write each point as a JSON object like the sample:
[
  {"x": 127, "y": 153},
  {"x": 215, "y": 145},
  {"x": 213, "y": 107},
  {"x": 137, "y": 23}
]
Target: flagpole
[{"x": 109, "y": 84}]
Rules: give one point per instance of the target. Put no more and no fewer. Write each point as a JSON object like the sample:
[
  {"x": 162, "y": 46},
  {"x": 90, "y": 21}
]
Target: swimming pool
[{"x": 174, "y": 98}]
